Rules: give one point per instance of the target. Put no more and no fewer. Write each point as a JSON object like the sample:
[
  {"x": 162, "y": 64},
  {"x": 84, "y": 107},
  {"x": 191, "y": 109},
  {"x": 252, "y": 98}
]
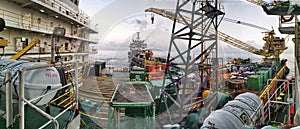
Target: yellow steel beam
[
  {"x": 272, "y": 84},
  {"x": 88, "y": 115},
  {"x": 71, "y": 101},
  {"x": 3, "y": 43},
  {"x": 69, "y": 98},
  {"x": 60, "y": 96},
  {"x": 257, "y": 2},
  {"x": 26, "y": 49}
]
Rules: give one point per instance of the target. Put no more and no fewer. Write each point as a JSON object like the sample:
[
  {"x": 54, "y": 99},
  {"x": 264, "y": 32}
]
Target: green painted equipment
[
  {"x": 155, "y": 87},
  {"x": 131, "y": 107},
  {"x": 269, "y": 71},
  {"x": 192, "y": 120},
  {"x": 264, "y": 74},
  {"x": 277, "y": 61},
  {"x": 137, "y": 74},
  {"x": 255, "y": 82},
  {"x": 34, "y": 119}
]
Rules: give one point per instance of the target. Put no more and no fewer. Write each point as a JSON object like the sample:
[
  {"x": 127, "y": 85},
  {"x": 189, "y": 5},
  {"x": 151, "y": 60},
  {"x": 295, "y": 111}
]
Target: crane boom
[
  {"x": 257, "y": 2},
  {"x": 223, "y": 37},
  {"x": 245, "y": 23}
]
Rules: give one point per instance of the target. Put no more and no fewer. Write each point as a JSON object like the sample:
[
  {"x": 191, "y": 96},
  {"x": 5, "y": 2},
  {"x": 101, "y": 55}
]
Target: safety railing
[
  {"x": 26, "y": 21},
  {"x": 271, "y": 91},
  {"x": 23, "y": 101},
  {"x": 33, "y": 23},
  {"x": 296, "y": 94},
  {"x": 79, "y": 15},
  {"x": 273, "y": 83},
  {"x": 272, "y": 98}
]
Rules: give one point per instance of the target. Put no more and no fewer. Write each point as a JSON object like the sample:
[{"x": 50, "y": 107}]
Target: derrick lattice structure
[{"x": 196, "y": 51}]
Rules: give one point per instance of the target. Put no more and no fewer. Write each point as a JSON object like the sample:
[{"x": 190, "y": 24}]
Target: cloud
[{"x": 114, "y": 13}]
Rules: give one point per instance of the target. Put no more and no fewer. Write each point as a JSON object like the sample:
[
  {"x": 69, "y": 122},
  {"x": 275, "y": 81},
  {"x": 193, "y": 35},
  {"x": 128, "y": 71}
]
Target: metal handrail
[
  {"x": 43, "y": 126},
  {"x": 16, "y": 18},
  {"x": 23, "y": 101},
  {"x": 270, "y": 99},
  {"x": 56, "y": 124},
  {"x": 82, "y": 16},
  {"x": 79, "y": 16},
  {"x": 273, "y": 83},
  {"x": 49, "y": 93},
  {"x": 32, "y": 23}
]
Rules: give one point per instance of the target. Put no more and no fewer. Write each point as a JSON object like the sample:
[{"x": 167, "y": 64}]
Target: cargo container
[
  {"x": 265, "y": 75},
  {"x": 255, "y": 82}
]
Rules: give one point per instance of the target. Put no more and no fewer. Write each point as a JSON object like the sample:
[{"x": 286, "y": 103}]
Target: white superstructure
[{"x": 29, "y": 19}]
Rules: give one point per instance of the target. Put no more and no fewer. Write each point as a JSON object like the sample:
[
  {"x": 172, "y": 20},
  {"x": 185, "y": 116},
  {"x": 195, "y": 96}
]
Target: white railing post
[
  {"x": 9, "y": 104},
  {"x": 76, "y": 82},
  {"x": 21, "y": 102},
  {"x": 269, "y": 110}
]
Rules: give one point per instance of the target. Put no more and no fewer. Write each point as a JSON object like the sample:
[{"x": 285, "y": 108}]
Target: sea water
[{"x": 119, "y": 58}]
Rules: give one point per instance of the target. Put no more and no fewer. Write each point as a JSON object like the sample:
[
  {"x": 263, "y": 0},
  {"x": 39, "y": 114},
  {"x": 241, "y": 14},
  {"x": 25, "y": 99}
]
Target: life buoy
[{"x": 286, "y": 20}]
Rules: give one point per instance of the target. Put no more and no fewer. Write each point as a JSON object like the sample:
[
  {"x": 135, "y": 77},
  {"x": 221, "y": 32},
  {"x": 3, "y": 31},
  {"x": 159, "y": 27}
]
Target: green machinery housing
[
  {"x": 134, "y": 104},
  {"x": 132, "y": 107}
]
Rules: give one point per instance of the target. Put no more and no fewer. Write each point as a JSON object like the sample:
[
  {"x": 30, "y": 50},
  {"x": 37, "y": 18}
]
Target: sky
[{"x": 119, "y": 20}]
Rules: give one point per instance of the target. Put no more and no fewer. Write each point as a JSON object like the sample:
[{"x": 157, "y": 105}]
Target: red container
[
  {"x": 151, "y": 68},
  {"x": 158, "y": 68},
  {"x": 292, "y": 110},
  {"x": 163, "y": 66}
]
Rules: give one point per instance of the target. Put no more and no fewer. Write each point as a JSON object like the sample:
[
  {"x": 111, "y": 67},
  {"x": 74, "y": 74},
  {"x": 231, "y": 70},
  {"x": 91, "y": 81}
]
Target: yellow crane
[
  {"x": 273, "y": 46},
  {"x": 257, "y": 2},
  {"x": 222, "y": 36}
]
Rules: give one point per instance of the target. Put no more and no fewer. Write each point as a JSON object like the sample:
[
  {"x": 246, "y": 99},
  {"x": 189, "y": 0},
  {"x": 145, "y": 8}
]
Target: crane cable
[
  {"x": 244, "y": 23},
  {"x": 225, "y": 19},
  {"x": 152, "y": 15}
]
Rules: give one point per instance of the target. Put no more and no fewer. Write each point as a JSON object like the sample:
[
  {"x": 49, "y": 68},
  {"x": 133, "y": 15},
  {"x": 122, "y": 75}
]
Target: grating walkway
[{"x": 99, "y": 90}]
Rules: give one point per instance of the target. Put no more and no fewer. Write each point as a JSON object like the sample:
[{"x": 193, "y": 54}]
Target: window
[
  {"x": 66, "y": 46},
  {"x": 51, "y": 24},
  {"x": 76, "y": 2}
]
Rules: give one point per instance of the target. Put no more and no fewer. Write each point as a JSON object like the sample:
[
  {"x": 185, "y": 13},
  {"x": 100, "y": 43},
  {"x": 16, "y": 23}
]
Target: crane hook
[{"x": 152, "y": 18}]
